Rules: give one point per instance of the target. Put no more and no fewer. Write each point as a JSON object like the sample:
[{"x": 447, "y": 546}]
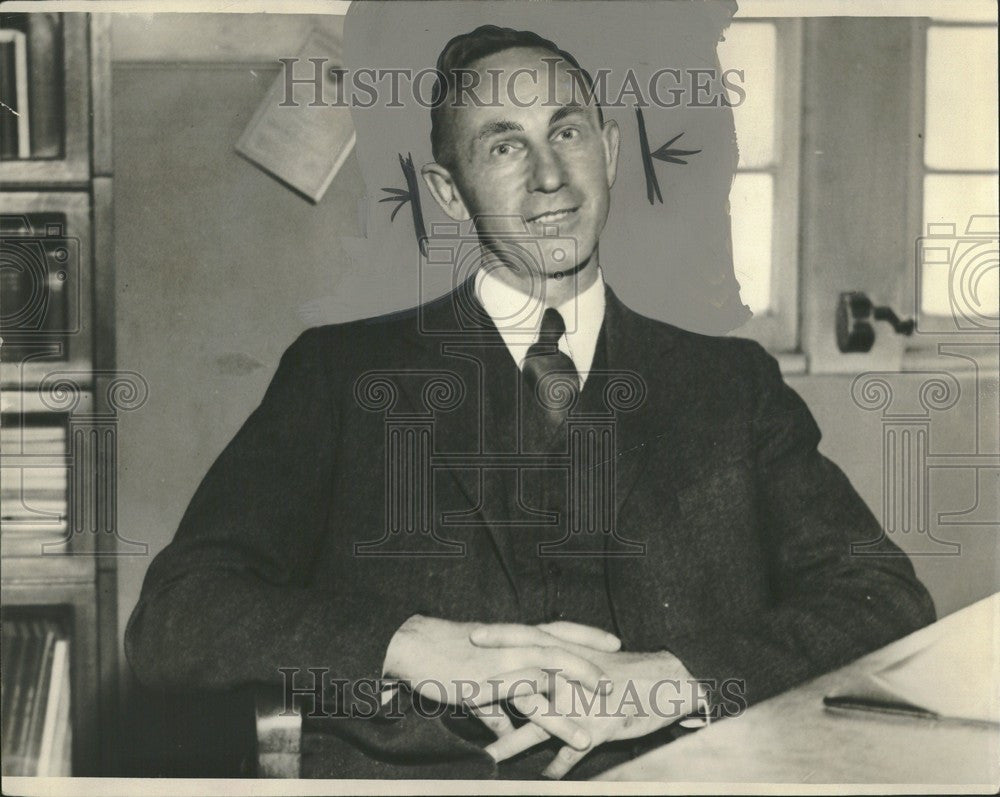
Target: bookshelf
[{"x": 60, "y": 395}]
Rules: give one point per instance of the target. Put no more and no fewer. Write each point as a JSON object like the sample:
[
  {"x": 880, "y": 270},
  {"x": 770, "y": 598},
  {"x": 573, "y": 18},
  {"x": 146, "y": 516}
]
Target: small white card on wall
[{"x": 298, "y": 134}]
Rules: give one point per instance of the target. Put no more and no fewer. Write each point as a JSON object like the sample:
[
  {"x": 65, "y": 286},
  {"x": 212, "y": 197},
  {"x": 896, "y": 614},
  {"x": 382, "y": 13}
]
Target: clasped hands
[{"x": 570, "y": 681}]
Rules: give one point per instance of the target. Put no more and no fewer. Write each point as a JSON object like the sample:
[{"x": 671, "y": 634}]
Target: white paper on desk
[{"x": 956, "y": 675}]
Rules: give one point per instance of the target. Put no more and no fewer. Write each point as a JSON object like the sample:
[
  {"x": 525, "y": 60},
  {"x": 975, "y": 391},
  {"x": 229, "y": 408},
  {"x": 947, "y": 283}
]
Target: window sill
[
  {"x": 792, "y": 363},
  {"x": 930, "y": 360}
]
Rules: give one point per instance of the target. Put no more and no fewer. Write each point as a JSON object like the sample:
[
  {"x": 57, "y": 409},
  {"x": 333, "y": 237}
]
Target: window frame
[
  {"x": 923, "y": 348},
  {"x": 778, "y": 328}
]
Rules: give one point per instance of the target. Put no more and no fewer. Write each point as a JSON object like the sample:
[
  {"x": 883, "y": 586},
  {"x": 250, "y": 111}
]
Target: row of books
[
  {"x": 30, "y": 439},
  {"x": 37, "y": 729},
  {"x": 34, "y": 496}
]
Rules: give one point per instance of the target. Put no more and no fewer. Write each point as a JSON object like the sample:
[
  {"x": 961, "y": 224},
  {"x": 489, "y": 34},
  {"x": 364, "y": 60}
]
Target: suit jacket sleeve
[
  {"x": 831, "y": 604},
  {"x": 229, "y": 601}
]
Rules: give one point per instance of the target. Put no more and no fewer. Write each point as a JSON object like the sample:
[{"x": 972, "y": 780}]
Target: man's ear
[
  {"x": 612, "y": 137},
  {"x": 445, "y": 192}
]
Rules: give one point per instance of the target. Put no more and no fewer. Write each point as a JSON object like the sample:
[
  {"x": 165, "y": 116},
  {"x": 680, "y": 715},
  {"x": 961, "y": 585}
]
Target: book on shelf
[
  {"x": 55, "y": 746},
  {"x": 34, "y": 482},
  {"x": 13, "y": 665},
  {"x": 36, "y": 698},
  {"x": 27, "y": 504},
  {"x": 27, "y": 439},
  {"x": 31, "y": 732},
  {"x": 31, "y": 515}
]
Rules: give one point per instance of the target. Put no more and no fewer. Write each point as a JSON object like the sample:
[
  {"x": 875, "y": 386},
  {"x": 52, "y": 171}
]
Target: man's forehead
[
  {"x": 518, "y": 83},
  {"x": 528, "y": 74}
]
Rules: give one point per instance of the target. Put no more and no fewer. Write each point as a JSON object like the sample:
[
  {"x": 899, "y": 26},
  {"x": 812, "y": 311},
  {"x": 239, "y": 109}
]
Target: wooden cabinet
[{"x": 57, "y": 368}]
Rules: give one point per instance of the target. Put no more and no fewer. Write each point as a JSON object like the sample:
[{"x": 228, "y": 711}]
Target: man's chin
[{"x": 558, "y": 266}]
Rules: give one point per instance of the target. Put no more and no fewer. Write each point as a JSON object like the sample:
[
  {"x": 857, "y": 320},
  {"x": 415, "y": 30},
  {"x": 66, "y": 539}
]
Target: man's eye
[
  {"x": 502, "y": 149},
  {"x": 568, "y": 134}
]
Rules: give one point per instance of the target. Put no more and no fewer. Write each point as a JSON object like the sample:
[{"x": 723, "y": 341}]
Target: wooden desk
[{"x": 792, "y": 739}]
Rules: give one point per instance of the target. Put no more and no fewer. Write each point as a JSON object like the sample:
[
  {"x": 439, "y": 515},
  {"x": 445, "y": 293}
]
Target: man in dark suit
[{"x": 523, "y": 498}]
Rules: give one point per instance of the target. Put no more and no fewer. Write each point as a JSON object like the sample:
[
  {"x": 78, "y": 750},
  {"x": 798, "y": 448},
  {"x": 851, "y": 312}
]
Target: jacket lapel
[
  {"x": 635, "y": 346},
  {"x": 456, "y": 336}
]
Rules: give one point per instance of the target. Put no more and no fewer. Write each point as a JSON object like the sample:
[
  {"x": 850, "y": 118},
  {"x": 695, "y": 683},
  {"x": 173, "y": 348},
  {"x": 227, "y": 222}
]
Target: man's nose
[{"x": 547, "y": 174}]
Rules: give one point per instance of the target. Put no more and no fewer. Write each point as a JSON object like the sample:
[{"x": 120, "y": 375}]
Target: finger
[
  {"x": 573, "y": 668},
  {"x": 518, "y": 683},
  {"x": 554, "y": 664},
  {"x": 504, "y": 635},
  {"x": 524, "y": 738},
  {"x": 565, "y": 760},
  {"x": 494, "y": 718},
  {"x": 585, "y": 635},
  {"x": 539, "y": 710}
]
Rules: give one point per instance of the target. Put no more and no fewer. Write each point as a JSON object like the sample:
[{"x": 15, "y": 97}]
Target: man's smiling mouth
[{"x": 553, "y": 216}]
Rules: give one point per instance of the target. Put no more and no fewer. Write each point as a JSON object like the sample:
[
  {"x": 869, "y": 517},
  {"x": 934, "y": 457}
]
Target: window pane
[
  {"x": 961, "y": 98},
  {"x": 752, "y": 49},
  {"x": 966, "y": 11},
  {"x": 955, "y": 200},
  {"x": 751, "y": 204}
]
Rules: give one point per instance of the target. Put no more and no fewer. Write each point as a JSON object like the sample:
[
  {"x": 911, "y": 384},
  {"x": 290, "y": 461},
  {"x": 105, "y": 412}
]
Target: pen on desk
[
  {"x": 852, "y": 704},
  {"x": 878, "y": 706}
]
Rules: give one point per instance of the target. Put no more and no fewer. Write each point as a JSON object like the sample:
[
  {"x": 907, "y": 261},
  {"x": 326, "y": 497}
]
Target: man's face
[{"x": 531, "y": 153}]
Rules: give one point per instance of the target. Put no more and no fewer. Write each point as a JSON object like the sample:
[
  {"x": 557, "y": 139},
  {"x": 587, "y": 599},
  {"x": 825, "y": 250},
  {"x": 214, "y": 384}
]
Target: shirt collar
[{"x": 518, "y": 318}]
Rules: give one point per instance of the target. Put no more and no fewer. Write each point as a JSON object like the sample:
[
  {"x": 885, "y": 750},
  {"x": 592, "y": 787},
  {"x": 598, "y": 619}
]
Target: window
[
  {"x": 764, "y": 197},
  {"x": 958, "y": 280}
]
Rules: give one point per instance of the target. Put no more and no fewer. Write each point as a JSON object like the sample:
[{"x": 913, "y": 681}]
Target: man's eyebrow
[
  {"x": 567, "y": 110},
  {"x": 500, "y": 126}
]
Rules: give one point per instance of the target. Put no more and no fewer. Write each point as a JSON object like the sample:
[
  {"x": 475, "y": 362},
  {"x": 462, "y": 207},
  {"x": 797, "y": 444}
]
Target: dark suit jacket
[{"x": 747, "y": 573}]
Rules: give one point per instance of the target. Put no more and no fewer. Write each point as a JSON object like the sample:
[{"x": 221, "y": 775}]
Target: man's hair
[{"x": 463, "y": 51}]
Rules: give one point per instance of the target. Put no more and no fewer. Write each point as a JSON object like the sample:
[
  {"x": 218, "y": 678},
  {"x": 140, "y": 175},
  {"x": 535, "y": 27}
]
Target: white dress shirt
[{"x": 518, "y": 319}]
